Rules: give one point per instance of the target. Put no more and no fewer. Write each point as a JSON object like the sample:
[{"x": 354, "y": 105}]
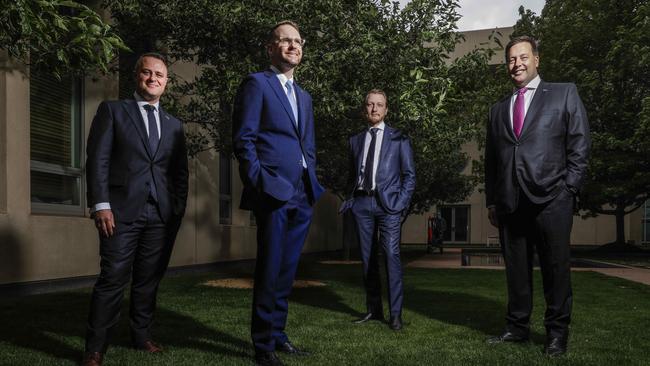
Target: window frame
[{"x": 77, "y": 105}]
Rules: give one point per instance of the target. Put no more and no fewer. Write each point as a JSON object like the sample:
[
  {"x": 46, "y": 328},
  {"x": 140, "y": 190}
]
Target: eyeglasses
[{"x": 286, "y": 42}]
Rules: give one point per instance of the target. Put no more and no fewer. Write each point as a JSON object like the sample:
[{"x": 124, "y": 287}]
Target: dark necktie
[
  {"x": 153, "y": 128},
  {"x": 370, "y": 162},
  {"x": 519, "y": 112}
]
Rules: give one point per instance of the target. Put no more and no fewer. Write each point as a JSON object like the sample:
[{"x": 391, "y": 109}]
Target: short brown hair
[
  {"x": 375, "y": 91},
  {"x": 156, "y": 55},
  {"x": 520, "y": 39},
  {"x": 271, "y": 35}
]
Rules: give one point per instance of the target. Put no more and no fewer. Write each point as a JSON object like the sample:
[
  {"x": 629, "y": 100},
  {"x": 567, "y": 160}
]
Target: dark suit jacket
[
  {"x": 267, "y": 143},
  {"x": 120, "y": 166},
  {"x": 550, "y": 154},
  {"x": 395, "y": 176}
]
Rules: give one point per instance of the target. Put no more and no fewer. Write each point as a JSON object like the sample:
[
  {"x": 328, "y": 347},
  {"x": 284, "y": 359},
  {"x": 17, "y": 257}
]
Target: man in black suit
[
  {"x": 535, "y": 162},
  {"x": 137, "y": 179},
  {"x": 382, "y": 175}
]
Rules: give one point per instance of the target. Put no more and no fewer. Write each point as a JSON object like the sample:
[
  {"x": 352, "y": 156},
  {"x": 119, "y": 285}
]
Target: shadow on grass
[
  {"x": 322, "y": 298},
  {"x": 55, "y": 324},
  {"x": 462, "y": 309}
]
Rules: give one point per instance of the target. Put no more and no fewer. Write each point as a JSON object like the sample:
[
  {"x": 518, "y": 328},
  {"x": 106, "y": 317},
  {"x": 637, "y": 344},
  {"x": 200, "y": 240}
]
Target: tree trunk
[{"x": 620, "y": 225}]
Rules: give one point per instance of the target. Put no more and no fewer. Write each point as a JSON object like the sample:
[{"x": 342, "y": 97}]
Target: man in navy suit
[
  {"x": 382, "y": 175},
  {"x": 273, "y": 139},
  {"x": 137, "y": 179},
  {"x": 535, "y": 163}
]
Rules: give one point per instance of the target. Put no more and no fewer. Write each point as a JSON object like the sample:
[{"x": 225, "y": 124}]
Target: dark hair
[
  {"x": 375, "y": 91},
  {"x": 532, "y": 41},
  {"x": 271, "y": 35},
  {"x": 156, "y": 55}
]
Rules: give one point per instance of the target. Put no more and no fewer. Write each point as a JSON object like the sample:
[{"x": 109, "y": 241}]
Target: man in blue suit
[
  {"x": 273, "y": 139},
  {"x": 383, "y": 177},
  {"x": 137, "y": 179}
]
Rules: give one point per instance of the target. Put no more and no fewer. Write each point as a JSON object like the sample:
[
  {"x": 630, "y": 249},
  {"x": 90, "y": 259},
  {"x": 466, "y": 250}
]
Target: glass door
[{"x": 456, "y": 223}]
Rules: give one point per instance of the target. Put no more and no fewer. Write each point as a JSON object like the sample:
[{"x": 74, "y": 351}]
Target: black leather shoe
[
  {"x": 289, "y": 348},
  {"x": 507, "y": 337},
  {"x": 369, "y": 317},
  {"x": 555, "y": 346},
  {"x": 395, "y": 323},
  {"x": 267, "y": 359}
]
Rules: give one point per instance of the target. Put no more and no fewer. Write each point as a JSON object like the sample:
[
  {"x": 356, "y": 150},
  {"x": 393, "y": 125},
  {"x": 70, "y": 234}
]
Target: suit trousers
[
  {"x": 546, "y": 228},
  {"x": 282, "y": 228},
  {"x": 377, "y": 228},
  {"x": 139, "y": 251}
]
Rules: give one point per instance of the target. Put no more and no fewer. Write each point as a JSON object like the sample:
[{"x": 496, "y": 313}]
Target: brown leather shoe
[
  {"x": 92, "y": 359},
  {"x": 150, "y": 347}
]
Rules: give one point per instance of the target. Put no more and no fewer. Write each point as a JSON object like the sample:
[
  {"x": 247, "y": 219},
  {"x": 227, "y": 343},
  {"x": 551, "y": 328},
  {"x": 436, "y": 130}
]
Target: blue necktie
[
  {"x": 153, "y": 128},
  {"x": 292, "y": 99}
]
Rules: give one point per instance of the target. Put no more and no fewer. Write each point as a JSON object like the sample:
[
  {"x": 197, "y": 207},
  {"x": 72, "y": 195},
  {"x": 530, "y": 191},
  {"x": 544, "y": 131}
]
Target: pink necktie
[{"x": 518, "y": 112}]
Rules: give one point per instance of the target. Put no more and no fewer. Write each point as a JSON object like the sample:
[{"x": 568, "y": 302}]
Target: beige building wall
[
  {"x": 37, "y": 247},
  {"x": 590, "y": 231}
]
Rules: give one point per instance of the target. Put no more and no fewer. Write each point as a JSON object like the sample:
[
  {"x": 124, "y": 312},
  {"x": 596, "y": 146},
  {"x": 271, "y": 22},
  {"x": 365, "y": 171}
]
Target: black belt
[{"x": 362, "y": 193}]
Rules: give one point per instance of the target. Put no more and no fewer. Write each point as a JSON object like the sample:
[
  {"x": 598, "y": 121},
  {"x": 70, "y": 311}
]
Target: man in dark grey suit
[
  {"x": 535, "y": 163},
  {"x": 137, "y": 179},
  {"x": 382, "y": 175}
]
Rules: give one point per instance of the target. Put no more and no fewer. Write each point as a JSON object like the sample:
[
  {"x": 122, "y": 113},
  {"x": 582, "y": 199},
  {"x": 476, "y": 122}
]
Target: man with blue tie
[
  {"x": 137, "y": 178},
  {"x": 536, "y": 157},
  {"x": 273, "y": 139},
  {"x": 382, "y": 175}
]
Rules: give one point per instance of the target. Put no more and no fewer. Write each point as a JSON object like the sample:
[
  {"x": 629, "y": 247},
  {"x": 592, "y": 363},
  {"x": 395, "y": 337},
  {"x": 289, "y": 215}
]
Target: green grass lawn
[{"x": 448, "y": 314}]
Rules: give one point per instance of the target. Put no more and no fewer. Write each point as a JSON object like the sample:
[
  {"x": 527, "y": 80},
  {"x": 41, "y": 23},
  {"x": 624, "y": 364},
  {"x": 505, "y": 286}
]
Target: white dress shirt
[
  {"x": 528, "y": 96},
  {"x": 366, "y": 146},
  {"x": 141, "y": 103}
]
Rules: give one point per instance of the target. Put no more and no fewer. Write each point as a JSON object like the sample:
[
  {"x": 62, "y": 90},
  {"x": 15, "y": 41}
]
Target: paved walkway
[{"x": 451, "y": 259}]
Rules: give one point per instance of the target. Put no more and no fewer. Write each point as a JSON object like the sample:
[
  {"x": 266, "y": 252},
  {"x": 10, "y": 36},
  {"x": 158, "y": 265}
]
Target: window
[
  {"x": 646, "y": 223},
  {"x": 56, "y": 144},
  {"x": 225, "y": 189}
]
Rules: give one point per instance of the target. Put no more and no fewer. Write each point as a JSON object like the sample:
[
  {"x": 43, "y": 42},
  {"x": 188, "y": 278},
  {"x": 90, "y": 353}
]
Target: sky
[{"x": 484, "y": 14}]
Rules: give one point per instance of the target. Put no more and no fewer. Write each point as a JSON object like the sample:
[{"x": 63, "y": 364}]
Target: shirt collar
[
  {"x": 380, "y": 126},
  {"x": 532, "y": 85},
  {"x": 282, "y": 77},
  {"x": 141, "y": 102}
]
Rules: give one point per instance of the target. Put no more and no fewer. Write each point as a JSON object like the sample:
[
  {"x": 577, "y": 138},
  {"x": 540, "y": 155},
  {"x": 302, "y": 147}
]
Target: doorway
[{"x": 457, "y": 223}]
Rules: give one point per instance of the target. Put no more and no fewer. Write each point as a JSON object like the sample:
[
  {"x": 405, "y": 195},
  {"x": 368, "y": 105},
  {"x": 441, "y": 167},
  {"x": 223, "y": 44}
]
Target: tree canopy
[
  {"x": 58, "y": 36},
  {"x": 604, "y": 47},
  {"x": 352, "y": 47}
]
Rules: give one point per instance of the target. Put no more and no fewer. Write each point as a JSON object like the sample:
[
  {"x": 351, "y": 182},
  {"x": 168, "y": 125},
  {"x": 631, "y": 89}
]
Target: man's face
[
  {"x": 151, "y": 79},
  {"x": 286, "y": 49},
  {"x": 376, "y": 108},
  {"x": 522, "y": 64}
]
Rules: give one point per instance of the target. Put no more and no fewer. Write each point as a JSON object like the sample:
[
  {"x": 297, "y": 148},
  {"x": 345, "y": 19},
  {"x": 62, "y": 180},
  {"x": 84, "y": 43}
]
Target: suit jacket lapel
[
  {"x": 282, "y": 96},
  {"x": 504, "y": 111},
  {"x": 136, "y": 118},
  {"x": 385, "y": 146},
  {"x": 301, "y": 110},
  {"x": 164, "y": 126},
  {"x": 361, "y": 139},
  {"x": 535, "y": 106}
]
